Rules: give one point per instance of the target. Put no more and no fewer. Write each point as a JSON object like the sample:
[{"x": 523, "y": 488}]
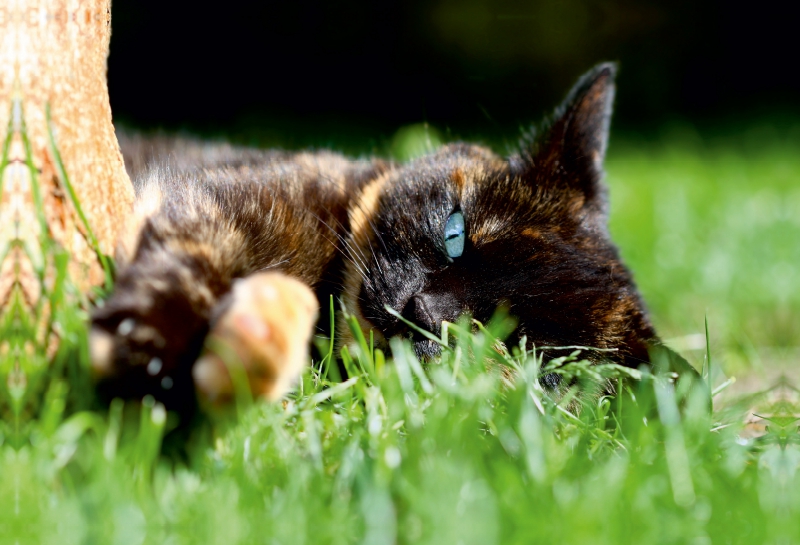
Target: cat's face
[{"x": 465, "y": 230}]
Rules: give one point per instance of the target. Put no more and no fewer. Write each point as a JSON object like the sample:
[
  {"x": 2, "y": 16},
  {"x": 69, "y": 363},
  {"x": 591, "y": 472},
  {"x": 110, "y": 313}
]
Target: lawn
[{"x": 455, "y": 453}]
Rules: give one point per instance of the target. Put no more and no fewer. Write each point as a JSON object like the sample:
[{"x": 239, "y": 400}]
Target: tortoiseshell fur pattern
[{"x": 370, "y": 232}]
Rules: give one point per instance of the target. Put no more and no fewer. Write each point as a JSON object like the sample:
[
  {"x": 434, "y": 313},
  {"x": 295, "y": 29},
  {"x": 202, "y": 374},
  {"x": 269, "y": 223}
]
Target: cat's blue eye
[{"x": 454, "y": 235}]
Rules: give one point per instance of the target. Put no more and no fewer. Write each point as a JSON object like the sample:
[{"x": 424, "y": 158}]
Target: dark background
[{"x": 325, "y": 72}]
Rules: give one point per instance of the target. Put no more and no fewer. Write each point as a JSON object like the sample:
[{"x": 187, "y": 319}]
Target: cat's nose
[
  {"x": 417, "y": 311},
  {"x": 430, "y": 310}
]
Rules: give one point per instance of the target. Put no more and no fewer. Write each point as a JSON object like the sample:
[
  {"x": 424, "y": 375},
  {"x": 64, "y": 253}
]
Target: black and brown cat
[{"x": 227, "y": 243}]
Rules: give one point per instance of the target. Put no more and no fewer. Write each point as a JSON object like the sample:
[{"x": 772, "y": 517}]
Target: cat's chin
[{"x": 426, "y": 349}]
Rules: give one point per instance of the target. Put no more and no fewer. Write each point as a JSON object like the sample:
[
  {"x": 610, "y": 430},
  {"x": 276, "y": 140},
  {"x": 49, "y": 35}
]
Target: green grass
[
  {"x": 713, "y": 228},
  {"x": 457, "y": 453}
]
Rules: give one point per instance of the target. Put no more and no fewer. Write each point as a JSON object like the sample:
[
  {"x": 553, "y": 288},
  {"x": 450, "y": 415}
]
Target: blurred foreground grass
[{"x": 453, "y": 453}]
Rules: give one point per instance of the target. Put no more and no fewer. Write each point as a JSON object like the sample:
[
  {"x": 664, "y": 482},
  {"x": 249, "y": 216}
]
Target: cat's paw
[
  {"x": 129, "y": 362},
  {"x": 265, "y": 331},
  {"x": 137, "y": 349}
]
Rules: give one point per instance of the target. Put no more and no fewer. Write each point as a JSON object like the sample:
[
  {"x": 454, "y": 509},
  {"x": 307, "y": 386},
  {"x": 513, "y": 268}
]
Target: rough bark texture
[{"x": 53, "y": 54}]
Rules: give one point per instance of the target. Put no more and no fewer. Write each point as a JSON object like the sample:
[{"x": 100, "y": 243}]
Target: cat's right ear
[{"x": 567, "y": 157}]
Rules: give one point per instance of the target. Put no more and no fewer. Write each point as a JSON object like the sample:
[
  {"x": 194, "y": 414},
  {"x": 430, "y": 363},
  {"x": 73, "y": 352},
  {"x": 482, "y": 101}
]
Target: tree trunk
[{"x": 63, "y": 182}]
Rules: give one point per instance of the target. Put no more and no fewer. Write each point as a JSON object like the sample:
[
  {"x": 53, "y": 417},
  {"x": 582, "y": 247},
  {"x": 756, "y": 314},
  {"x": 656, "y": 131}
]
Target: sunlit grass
[{"x": 713, "y": 228}]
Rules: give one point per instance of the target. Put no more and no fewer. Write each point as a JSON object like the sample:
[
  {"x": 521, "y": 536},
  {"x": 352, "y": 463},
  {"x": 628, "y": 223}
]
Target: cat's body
[
  {"x": 462, "y": 230},
  {"x": 205, "y": 216}
]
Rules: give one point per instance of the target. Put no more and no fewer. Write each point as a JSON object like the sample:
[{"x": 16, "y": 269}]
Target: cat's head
[{"x": 465, "y": 230}]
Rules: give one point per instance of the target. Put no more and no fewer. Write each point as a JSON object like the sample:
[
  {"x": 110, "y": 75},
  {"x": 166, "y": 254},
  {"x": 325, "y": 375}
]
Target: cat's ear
[{"x": 568, "y": 155}]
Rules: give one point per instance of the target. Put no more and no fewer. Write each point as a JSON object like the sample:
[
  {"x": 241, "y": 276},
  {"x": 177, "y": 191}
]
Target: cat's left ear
[{"x": 569, "y": 155}]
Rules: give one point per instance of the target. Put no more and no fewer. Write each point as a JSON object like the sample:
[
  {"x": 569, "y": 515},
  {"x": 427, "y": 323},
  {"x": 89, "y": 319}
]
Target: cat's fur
[{"x": 371, "y": 233}]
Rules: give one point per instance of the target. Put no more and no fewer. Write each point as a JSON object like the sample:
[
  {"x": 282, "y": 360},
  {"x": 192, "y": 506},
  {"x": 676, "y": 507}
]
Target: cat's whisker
[
  {"x": 356, "y": 257},
  {"x": 349, "y": 255},
  {"x": 358, "y": 204},
  {"x": 272, "y": 265},
  {"x": 377, "y": 262}
]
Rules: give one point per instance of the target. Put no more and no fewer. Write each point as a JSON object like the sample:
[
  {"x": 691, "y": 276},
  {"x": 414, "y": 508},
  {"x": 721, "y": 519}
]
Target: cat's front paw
[
  {"x": 264, "y": 330},
  {"x": 141, "y": 345}
]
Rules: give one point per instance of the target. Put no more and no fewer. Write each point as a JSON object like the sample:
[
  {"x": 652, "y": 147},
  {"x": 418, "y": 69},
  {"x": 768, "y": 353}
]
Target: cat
[{"x": 226, "y": 245}]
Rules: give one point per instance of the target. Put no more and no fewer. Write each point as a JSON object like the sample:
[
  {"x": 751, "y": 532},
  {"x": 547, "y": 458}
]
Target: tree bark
[{"x": 63, "y": 178}]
